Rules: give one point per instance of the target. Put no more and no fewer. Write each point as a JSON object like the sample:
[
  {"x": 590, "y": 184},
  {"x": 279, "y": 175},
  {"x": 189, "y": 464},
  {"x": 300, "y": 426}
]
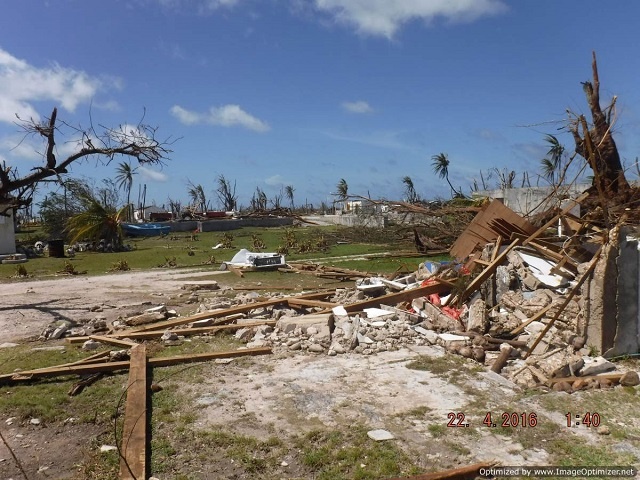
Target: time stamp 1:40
[{"x": 524, "y": 419}]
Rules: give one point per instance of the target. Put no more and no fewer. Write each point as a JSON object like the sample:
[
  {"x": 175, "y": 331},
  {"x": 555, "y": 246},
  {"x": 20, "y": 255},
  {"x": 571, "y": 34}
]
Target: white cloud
[
  {"x": 357, "y": 107},
  {"x": 225, "y": 116},
  {"x": 149, "y": 174},
  {"x": 22, "y": 84},
  {"x": 274, "y": 180},
  {"x": 21, "y": 147},
  {"x": 386, "y": 17},
  {"x": 201, "y": 6}
]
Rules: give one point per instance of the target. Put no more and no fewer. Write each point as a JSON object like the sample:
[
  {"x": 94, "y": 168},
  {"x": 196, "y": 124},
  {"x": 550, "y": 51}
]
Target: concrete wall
[
  {"x": 612, "y": 298},
  {"x": 224, "y": 225},
  {"x": 378, "y": 221},
  {"x": 7, "y": 234},
  {"x": 528, "y": 200}
]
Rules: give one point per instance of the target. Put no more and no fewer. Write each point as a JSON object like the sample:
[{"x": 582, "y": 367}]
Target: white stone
[
  {"x": 90, "y": 345},
  {"x": 59, "y": 332},
  {"x": 8, "y": 345},
  {"x": 380, "y": 435},
  {"x": 339, "y": 311},
  {"x": 107, "y": 448}
]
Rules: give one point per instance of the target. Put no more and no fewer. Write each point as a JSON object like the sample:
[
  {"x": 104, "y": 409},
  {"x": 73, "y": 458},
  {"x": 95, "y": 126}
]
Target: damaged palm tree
[{"x": 595, "y": 142}]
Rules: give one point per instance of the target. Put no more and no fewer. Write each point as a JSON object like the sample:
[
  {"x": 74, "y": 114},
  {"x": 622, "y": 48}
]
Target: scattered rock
[
  {"x": 630, "y": 379},
  {"x": 603, "y": 430}
]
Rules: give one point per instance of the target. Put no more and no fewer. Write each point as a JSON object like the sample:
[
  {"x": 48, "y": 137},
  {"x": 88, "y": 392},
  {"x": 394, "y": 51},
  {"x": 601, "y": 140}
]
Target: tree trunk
[{"x": 596, "y": 144}]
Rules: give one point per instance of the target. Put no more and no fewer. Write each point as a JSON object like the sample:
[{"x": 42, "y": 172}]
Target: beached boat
[{"x": 145, "y": 229}]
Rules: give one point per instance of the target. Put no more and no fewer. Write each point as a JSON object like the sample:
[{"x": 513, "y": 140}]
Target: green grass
[
  {"x": 351, "y": 454},
  {"x": 448, "y": 365},
  {"x": 151, "y": 252}
]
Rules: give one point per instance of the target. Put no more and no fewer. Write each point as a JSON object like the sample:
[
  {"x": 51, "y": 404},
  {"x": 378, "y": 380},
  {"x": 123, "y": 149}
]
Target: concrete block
[{"x": 594, "y": 366}]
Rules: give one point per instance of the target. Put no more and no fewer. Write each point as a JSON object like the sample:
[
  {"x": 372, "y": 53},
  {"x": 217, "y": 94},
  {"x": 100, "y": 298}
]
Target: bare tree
[
  {"x": 276, "y": 201},
  {"x": 226, "y": 193},
  {"x": 137, "y": 142},
  {"x": 175, "y": 206},
  {"x": 595, "y": 142}
]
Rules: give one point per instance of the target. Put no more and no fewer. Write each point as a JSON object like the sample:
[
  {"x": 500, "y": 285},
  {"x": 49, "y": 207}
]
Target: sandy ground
[{"x": 27, "y": 307}]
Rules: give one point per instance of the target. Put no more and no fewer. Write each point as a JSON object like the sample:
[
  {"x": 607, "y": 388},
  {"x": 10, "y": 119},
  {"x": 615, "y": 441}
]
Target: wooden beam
[
  {"x": 302, "y": 302},
  {"x": 133, "y": 446},
  {"x": 203, "y": 357},
  {"x": 174, "y": 322},
  {"x": 462, "y": 473},
  {"x": 185, "y": 332},
  {"x": 113, "y": 341},
  {"x": 95, "y": 358},
  {"x": 115, "y": 366},
  {"x": 399, "y": 297},
  {"x": 535, "y": 318}
]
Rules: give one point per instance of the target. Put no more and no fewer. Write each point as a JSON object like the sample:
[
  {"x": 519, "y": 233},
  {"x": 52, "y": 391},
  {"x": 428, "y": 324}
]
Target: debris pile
[{"x": 519, "y": 304}]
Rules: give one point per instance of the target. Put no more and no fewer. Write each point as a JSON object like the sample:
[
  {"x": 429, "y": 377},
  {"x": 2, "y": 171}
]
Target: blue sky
[{"x": 271, "y": 93}]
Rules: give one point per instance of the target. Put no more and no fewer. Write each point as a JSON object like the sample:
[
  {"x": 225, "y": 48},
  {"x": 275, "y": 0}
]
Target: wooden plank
[
  {"x": 174, "y": 322},
  {"x": 493, "y": 221},
  {"x": 113, "y": 341},
  {"x": 496, "y": 248},
  {"x": 573, "y": 292},
  {"x": 185, "y": 332},
  {"x": 115, "y": 366},
  {"x": 462, "y": 473},
  {"x": 95, "y": 358},
  {"x": 133, "y": 446},
  {"x": 302, "y": 302},
  {"x": 203, "y": 357},
  {"x": 535, "y": 318},
  {"x": 395, "y": 298}
]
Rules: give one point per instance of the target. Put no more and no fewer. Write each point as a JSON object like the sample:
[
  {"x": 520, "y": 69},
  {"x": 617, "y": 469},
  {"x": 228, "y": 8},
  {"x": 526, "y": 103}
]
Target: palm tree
[
  {"x": 288, "y": 191},
  {"x": 124, "y": 181},
  {"x": 97, "y": 222},
  {"x": 440, "y": 164},
  {"x": 197, "y": 196},
  {"x": 552, "y": 162},
  {"x": 410, "y": 191},
  {"x": 342, "y": 189}
]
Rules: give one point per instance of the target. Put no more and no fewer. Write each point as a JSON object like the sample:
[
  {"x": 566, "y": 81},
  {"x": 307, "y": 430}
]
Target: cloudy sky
[{"x": 272, "y": 93}]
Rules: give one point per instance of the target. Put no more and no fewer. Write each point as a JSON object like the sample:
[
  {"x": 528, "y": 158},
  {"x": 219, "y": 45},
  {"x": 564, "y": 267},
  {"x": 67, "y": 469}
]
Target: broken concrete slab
[{"x": 594, "y": 366}]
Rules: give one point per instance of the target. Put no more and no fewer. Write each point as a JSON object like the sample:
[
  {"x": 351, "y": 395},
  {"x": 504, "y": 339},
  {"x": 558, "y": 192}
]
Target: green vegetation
[{"x": 318, "y": 244}]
